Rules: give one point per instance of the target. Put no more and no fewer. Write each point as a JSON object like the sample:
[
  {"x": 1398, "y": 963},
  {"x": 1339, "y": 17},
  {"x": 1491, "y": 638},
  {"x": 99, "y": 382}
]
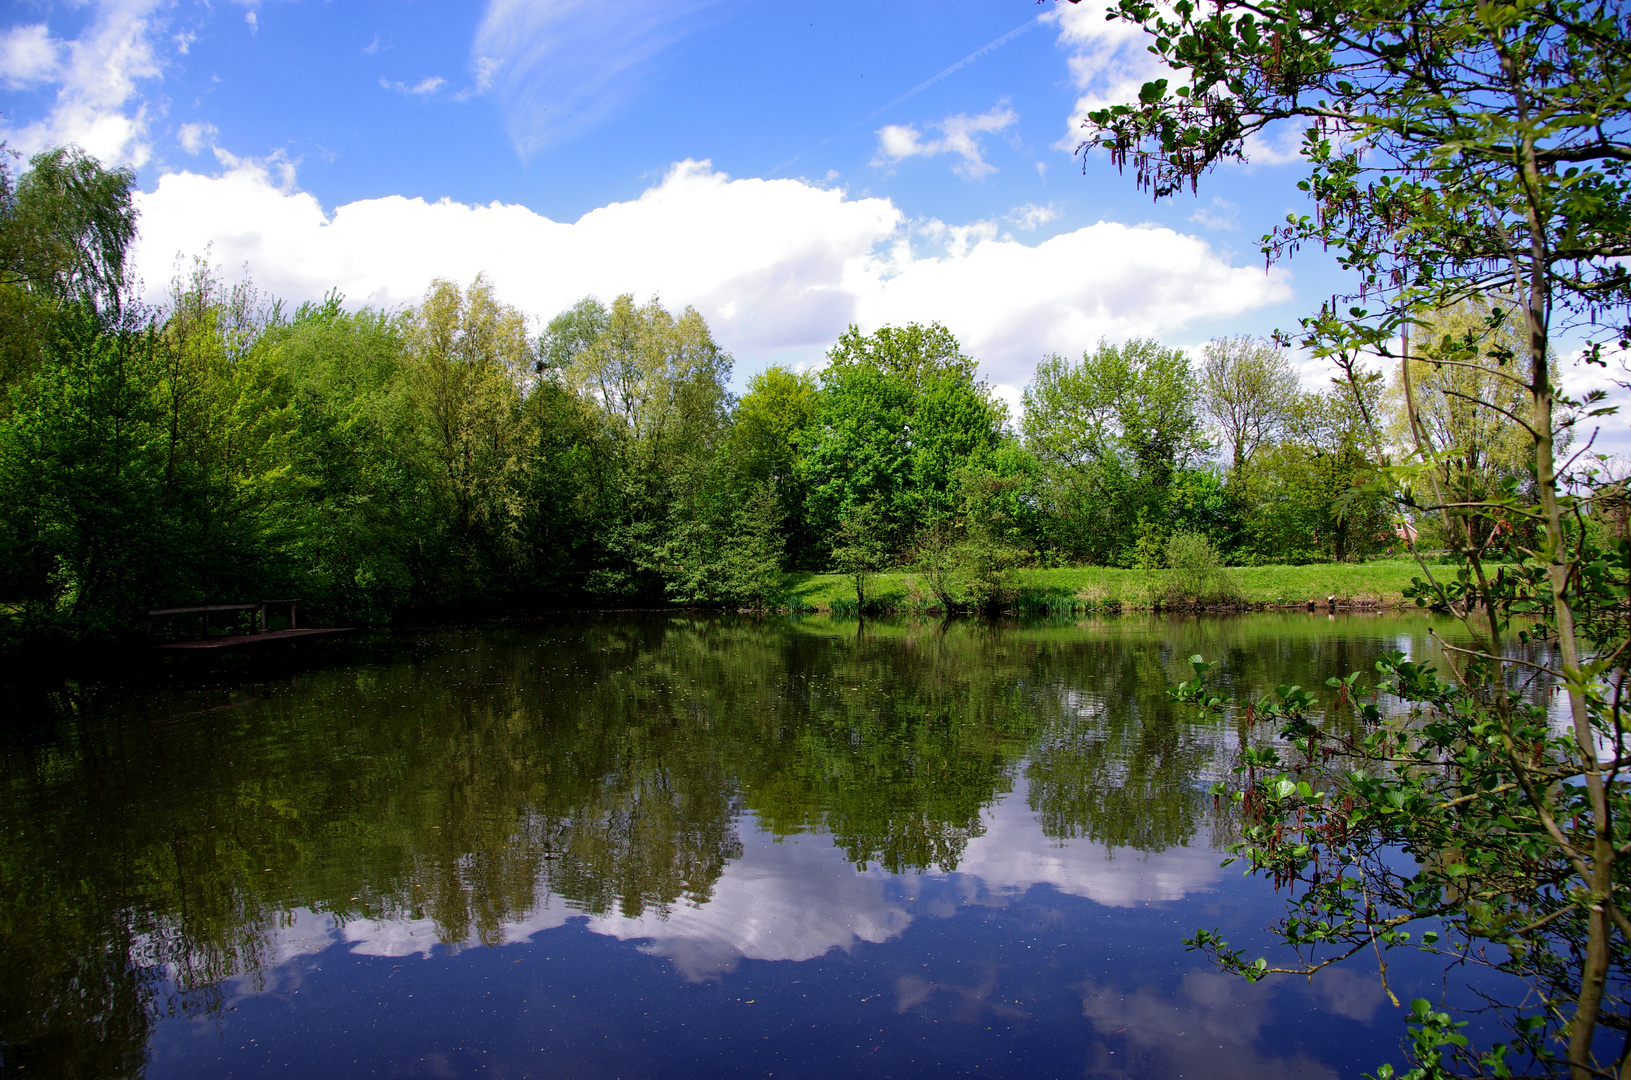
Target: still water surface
[{"x": 664, "y": 846}]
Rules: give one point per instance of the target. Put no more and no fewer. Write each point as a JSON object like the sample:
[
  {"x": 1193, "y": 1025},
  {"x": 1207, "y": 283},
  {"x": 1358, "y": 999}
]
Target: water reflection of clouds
[
  {"x": 1012, "y": 855},
  {"x": 297, "y": 933},
  {"x": 793, "y": 900},
  {"x": 300, "y": 933},
  {"x": 800, "y": 898},
  {"x": 392, "y": 937},
  {"x": 1211, "y": 1027}
]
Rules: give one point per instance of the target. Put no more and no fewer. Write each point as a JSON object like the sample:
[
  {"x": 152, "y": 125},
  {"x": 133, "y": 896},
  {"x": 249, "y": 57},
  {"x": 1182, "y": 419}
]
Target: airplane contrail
[
  {"x": 922, "y": 86},
  {"x": 965, "y": 61}
]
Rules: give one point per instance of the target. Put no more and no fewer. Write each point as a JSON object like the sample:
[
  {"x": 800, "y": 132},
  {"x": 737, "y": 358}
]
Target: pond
[{"x": 664, "y": 845}]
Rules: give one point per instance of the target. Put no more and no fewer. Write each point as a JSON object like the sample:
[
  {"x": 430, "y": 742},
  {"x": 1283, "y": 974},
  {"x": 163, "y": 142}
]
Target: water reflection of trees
[{"x": 605, "y": 763}]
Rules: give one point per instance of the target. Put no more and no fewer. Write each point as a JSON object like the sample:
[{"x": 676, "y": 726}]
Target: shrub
[
  {"x": 1198, "y": 575},
  {"x": 935, "y": 558},
  {"x": 987, "y": 568}
]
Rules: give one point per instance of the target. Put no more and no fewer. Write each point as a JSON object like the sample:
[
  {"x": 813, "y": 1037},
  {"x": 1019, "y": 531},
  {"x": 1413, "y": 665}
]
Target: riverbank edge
[{"x": 1377, "y": 585}]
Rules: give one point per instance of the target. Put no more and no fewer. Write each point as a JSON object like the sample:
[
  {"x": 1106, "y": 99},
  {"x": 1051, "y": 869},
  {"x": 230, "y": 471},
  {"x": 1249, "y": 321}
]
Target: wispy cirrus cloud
[
  {"x": 561, "y": 67},
  {"x": 1221, "y": 214},
  {"x": 251, "y": 19}
]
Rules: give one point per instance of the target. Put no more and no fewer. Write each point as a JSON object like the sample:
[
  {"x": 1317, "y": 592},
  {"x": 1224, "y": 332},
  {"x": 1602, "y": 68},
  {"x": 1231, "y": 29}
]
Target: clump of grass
[
  {"x": 1093, "y": 595},
  {"x": 1102, "y": 595},
  {"x": 1031, "y": 602},
  {"x": 916, "y": 600}
]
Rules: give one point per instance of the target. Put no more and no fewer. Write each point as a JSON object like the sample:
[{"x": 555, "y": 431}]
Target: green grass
[{"x": 1098, "y": 588}]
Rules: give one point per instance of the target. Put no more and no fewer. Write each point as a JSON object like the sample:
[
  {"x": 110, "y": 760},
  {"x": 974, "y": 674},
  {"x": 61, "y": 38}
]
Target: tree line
[{"x": 222, "y": 445}]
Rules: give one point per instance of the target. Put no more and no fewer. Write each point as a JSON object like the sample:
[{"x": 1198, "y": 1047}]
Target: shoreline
[{"x": 1376, "y": 585}]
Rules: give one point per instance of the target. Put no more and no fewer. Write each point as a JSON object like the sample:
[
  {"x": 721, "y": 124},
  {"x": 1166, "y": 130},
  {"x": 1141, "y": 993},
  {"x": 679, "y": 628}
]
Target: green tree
[
  {"x": 1457, "y": 395},
  {"x": 898, "y": 414},
  {"x": 861, "y": 548},
  {"x": 571, "y": 334},
  {"x": 935, "y": 558},
  {"x": 1197, "y": 573},
  {"x": 1311, "y": 497},
  {"x": 1110, "y": 434},
  {"x": 228, "y": 422},
  {"x": 1247, "y": 387},
  {"x": 65, "y": 227},
  {"x": 763, "y": 446},
  {"x": 82, "y": 509},
  {"x": 1199, "y": 501},
  {"x": 466, "y": 356},
  {"x": 562, "y": 502},
  {"x": 767, "y": 424},
  {"x": 657, "y": 384},
  {"x": 756, "y": 551},
  {"x": 914, "y": 353},
  {"x": 1456, "y": 149},
  {"x": 993, "y": 545},
  {"x": 363, "y": 509}
]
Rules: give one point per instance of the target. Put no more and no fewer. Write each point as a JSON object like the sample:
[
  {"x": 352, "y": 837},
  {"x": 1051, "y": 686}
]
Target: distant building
[{"x": 1612, "y": 506}]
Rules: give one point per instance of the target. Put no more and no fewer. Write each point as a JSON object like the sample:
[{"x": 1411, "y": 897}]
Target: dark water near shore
[{"x": 664, "y": 846}]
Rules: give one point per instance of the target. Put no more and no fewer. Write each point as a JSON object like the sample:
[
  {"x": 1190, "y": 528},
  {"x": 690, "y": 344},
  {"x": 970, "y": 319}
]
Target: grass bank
[{"x": 1378, "y": 583}]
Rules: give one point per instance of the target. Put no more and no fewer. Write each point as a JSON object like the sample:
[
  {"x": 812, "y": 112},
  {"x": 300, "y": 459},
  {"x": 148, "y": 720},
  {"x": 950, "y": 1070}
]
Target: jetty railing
[{"x": 206, "y": 610}]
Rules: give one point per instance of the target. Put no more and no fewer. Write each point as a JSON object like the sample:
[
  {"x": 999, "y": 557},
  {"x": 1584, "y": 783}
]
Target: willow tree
[
  {"x": 1454, "y": 395},
  {"x": 466, "y": 356},
  {"x": 657, "y": 385},
  {"x": 1455, "y": 150},
  {"x": 66, "y": 224}
]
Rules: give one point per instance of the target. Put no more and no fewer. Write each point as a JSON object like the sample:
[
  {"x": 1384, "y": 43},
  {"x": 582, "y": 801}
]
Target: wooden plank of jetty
[
  {"x": 232, "y": 641},
  {"x": 263, "y": 636}
]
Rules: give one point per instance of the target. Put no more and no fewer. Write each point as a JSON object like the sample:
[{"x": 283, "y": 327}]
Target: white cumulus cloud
[
  {"x": 428, "y": 85},
  {"x": 959, "y": 136},
  {"x": 1109, "y": 61},
  {"x": 194, "y": 137},
  {"x": 97, "y": 76},
  {"x": 778, "y": 267},
  {"x": 28, "y": 55}
]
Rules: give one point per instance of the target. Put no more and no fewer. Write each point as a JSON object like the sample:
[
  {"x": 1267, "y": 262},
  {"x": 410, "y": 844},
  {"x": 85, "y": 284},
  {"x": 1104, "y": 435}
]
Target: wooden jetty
[{"x": 262, "y": 636}]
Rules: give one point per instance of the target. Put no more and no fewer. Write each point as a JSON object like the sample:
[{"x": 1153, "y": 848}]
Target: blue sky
[{"x": 788, "y": 169}]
